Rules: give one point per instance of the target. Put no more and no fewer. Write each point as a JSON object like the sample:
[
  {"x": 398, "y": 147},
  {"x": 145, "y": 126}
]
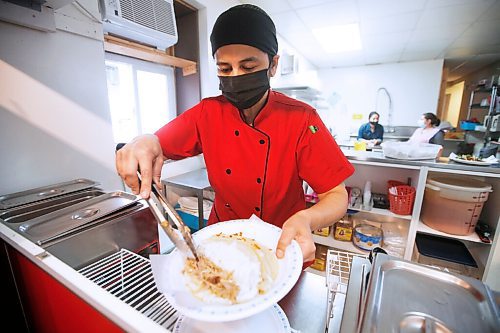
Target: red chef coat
[{"x": 258, "y": 169}]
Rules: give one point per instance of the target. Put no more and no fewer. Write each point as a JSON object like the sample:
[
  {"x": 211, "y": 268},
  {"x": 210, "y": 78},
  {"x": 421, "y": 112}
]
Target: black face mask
[
  {"x": 244, "y": 91},
  {"x": 374, "y": 122}
]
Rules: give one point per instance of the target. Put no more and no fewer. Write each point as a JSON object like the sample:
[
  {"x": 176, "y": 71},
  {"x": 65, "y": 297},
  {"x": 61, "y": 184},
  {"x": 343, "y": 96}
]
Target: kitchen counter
[
  {"x": 440, "y": 163},
  {"x": 305, "y": 305}
]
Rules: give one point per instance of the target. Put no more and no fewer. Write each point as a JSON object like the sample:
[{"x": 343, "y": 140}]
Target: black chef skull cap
[{"x": 245, "y": 24}]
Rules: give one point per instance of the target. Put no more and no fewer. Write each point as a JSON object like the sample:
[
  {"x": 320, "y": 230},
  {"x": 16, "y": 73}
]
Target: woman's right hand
[{"x": 143, "y": 153}]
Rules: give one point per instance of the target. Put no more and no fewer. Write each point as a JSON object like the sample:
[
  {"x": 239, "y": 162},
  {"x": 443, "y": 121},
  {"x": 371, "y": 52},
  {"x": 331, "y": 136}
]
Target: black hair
[
  {"x": 432, "y": 117},
  {"x": 373, "y": 113}
]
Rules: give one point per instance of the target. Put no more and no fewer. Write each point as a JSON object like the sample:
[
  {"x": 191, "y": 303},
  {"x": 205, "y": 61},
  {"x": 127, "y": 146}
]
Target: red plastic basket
[
  {"x": 393, "y": 183},
  {"x": 402, "y": 203}
]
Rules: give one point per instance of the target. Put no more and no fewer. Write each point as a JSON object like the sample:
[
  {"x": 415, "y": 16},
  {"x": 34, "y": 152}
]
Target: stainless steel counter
[
  {"x": 440, "y": 163},
  {"x": 306, "y": 304}
]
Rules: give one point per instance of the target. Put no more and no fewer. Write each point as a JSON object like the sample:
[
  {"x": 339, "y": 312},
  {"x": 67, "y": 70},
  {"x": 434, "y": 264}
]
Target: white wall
[
  {"x": 70, "y": 61},
  {"x": 413, "y": 87},
  {"x": 208, "y": 11}
]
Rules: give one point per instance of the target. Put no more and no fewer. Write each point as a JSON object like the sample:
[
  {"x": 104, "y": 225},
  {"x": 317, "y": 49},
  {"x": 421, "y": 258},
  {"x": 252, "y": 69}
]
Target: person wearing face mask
[
  {"x": 372, "y": 132},
  {"x": 428, "y": 131},
  {"x": 259, "y": 145}
]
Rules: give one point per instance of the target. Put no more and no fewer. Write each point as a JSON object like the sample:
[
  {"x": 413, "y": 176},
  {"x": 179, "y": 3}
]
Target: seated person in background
[
  {"x": 372, "y": 132},
  {"x": 428, "y": 131}
]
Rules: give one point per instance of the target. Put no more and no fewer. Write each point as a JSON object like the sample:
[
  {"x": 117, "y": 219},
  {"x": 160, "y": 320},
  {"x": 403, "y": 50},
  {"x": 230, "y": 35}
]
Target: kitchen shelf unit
[
  {"x": 381, "y": 211},
  {"x": 380, "y": 171},
  {"x": 487, "y": 113},
  {"x": 424, "y": 229},
  {"x": 340, "y": 245},
  {"x": 379, "y": 174},
  {"x": 316, "y": 271},
  {"x": 486, "y": 255},
  {"x": 476, "y": 105}
]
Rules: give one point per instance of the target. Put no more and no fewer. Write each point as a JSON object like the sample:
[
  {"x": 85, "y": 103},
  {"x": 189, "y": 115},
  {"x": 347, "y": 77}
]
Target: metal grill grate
[
  {"x": 338, "y": 268},
  {"x": 129, "y": 277}
]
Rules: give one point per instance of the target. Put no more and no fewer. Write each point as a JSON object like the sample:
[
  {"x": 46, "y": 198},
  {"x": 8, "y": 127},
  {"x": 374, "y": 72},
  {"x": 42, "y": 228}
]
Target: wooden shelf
[
  {"x": 384, "y": 212},
  {"x": 332, "y": 242},
  {"x": 135, "y": 50},
  {"x": 315, "y": 271},
  {"x": 423, "y": 228},
  {"x": 478, "y": 106}
]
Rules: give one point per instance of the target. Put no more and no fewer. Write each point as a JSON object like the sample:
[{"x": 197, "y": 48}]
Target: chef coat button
[
  {"x": 259, "y": 180},
  {"x": 262, "y": 142},
  {"x": 227, "y": 205},
  {"x": 228, "y": 171},
  {"x": 257, "y": 209},
  {"x": 236, "y": 133}
]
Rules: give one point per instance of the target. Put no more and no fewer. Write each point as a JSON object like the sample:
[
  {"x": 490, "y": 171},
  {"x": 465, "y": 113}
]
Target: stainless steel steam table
[{"x": 196, "y": 180}]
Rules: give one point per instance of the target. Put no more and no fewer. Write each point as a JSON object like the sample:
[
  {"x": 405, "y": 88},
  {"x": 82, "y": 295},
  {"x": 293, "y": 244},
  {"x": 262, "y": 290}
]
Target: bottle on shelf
[{"x": 367, "y": 196}]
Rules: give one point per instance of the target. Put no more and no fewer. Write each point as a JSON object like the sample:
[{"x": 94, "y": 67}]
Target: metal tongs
[{"x": 184, "y": 244}]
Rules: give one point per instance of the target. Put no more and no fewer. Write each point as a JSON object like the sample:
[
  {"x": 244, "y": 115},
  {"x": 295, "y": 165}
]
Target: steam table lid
[{"x": 460, "y": 184}]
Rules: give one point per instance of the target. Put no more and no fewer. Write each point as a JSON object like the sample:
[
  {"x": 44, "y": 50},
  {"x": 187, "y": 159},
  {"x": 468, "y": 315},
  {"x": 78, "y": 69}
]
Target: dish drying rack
[
  {"x": 338, "y": 269},
  {"x": 128, "y": 276}
]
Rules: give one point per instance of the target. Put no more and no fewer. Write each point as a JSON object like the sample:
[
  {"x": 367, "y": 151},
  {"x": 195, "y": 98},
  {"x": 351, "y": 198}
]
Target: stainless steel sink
[
  {"x": 80, "y": 226},
  {"x": 133, "y": 228}
]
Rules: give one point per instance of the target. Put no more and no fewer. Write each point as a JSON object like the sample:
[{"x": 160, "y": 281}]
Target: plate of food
[
  {"x": 272, "y": 320},
  {"x": 473, "y": 160},
  {"x": 237, "y": 275}
]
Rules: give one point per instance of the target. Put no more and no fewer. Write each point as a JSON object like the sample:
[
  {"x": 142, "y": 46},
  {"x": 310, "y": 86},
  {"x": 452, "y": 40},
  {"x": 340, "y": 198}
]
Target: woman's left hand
[{"x": 297, "y": 227}]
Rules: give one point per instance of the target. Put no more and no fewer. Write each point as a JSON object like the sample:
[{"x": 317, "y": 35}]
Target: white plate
[
  {"x": 427, "y": 158},
  {"x": 459, "y": 160},
  {"x": 172, "y": 283},
  {"x": 272, "y": 320}
]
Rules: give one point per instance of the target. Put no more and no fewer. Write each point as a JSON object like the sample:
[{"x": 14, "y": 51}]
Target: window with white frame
[{"x": 141, "y": 96}]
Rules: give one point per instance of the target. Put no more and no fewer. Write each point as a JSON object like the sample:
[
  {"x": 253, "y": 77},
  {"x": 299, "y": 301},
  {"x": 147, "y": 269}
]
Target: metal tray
[
  {"x": 60, "y": 221},
  {"x": 33, "y": 210},
  {"x": 406, "y": 297},
  {"x": 40, "y": 193}
]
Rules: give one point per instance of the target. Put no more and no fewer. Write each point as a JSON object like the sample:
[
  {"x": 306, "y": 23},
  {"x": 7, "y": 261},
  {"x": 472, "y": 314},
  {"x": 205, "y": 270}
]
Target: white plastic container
[
  {"x": 453, "y": 205},
  {"x": 410, "y": 151},
  {"x": 461, "y": 189}
]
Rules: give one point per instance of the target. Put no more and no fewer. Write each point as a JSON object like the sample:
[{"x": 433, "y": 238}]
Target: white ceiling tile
[
  {"x": 347, "y": 60},
  {"x": 455, "y": 15},
  {"x": 382, "y": 8},
  {"x": 445, "y": 32},
  {"x": 475, "y": 40},
  {"x": 393, "y": 23},
  {"x": 419, "y": 56},
  {"x": 486, "y": 30},
  {"x": 431, "y": 46},
  {"x": 329, "y": 14},
  {"x": 271, "y": 7},
  {"x": 383, "y": 42},
  {"x": 296, "y": 4},
  {"x": 372, "y": 59},
  {"x": 470, "y": 43},
  {"x": 288, "y": 23},
  {"x": 493, "y": 12},
  {"x": 306, "y": 45},
  {"x": 393, "y": 30}
]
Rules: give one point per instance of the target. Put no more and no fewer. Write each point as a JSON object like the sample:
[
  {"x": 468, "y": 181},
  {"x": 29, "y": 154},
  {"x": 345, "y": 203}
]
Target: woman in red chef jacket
[{"x": 259, "y": 145}]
